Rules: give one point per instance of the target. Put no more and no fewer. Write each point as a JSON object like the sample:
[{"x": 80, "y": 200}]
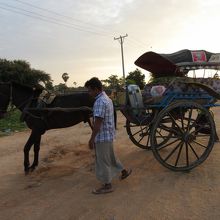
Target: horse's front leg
[
  {"x": 36, "y": 152},
  {"x": 27, "y": 148}
]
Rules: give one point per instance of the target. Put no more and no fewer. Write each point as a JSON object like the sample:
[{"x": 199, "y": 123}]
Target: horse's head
[
  {"x": 5, "y": 93},
  {"x": 23, "y": 95},
  {"x": 88, "y": 100}
]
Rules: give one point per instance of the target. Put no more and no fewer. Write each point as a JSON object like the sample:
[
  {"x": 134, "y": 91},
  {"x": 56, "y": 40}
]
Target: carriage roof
[{"x": 178, "y": 63}]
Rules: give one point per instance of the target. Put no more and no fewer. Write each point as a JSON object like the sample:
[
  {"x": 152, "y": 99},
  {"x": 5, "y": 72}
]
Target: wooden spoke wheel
[
  {"x": 190, "y": 138},
  {"x": 139, "y": 134}
]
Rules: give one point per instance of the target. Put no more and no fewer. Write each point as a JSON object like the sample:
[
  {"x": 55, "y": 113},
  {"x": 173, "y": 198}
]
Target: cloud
[{"x": 98, "y": 11}]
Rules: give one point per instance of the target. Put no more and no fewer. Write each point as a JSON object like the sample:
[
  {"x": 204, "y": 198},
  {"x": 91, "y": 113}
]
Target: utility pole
[{"x": 121, "y": 41}]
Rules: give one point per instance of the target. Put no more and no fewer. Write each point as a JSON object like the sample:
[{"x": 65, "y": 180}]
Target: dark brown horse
[{"x": 41, "y": 120}]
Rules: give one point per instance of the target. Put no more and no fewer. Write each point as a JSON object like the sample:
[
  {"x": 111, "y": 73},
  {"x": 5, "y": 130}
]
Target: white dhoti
[{"x": 106, "y": 165}]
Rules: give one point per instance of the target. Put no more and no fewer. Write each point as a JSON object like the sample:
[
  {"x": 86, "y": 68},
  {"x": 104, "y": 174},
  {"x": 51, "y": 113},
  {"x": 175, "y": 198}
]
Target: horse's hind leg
[{"x": 36, "y": 152}]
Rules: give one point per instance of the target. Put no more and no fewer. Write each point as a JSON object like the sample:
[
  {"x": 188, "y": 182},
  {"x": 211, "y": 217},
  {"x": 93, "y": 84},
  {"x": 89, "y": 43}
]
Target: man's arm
[{"x": 96, "y": 128}]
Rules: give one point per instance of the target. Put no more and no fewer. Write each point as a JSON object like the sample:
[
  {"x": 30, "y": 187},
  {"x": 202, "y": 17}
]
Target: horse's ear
[
  {"x": 37, "y": 92},
  {"x": 38, "y": 87}
]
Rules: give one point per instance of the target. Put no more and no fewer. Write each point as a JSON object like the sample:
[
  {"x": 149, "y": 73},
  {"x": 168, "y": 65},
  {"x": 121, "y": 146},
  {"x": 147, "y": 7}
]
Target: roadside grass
[{"x": 11, "y": 123}]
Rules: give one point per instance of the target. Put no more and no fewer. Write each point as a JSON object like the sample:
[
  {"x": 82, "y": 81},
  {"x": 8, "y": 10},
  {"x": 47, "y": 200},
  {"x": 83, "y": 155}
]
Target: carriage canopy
[{"x": 178, "y": 63}]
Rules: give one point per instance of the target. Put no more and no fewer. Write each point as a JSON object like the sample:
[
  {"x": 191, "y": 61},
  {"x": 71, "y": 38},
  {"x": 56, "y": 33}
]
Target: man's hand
[
  {"x": 95, "y": 130},
  {"x": 91, "y": 144}
]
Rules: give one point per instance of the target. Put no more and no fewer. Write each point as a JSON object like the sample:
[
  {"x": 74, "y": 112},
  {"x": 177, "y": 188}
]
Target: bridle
[{"x": 11, "y": 100}]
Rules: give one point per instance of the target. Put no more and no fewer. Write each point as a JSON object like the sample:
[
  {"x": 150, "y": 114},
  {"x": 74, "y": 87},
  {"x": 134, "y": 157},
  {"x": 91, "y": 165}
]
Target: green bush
[{"x": 11, "y": 123}]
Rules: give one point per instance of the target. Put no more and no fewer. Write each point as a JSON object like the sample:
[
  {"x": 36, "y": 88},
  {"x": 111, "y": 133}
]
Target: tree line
[{"x": 21, "y": 71}]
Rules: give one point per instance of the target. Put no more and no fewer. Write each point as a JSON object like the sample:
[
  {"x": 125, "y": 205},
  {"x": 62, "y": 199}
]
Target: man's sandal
[
  {"x": 105, "y": 188},
  {"x": 125, "y": 174}
]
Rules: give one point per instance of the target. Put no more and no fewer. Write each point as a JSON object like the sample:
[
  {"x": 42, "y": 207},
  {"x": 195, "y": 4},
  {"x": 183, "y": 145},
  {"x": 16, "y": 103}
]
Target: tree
[
  {"x": 137, "y": 77},
  {"x": 65, "y": 77},
  {"x": 113, "y": 82},
  {"x": 21, "y": 72},
  {"x": 130, "y": 81},
  {"x": 74, "y": 84},
  {"x": 62, "y": 88}
]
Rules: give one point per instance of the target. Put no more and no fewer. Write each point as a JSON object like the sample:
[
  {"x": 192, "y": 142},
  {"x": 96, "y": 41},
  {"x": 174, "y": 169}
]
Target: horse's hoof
[
  {"x": 32, "y": 167},
  {"x": 26, "y": 172}
]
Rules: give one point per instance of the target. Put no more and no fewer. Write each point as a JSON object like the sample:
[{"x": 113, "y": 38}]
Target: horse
[{"x": 66, "y": 110}]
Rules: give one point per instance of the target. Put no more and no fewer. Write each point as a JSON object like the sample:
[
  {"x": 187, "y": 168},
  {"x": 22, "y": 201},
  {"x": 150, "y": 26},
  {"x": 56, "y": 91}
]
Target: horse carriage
[{"x": 172, "y": 115}]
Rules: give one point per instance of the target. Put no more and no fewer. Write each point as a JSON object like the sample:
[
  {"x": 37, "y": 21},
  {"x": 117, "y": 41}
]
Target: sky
[{"x": 77, "y": 36}]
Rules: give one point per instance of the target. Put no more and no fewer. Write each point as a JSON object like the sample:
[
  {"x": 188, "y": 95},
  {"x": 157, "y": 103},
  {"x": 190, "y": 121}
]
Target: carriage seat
[
  {"x": 135, "y": 99},
  {"x": 138, "y": 112},
  {"x": 134, "y": 110}
]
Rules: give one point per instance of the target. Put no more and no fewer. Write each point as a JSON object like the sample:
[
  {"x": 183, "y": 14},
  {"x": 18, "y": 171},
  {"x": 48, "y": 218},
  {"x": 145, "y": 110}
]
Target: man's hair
[{"x": 93, "y": 83}]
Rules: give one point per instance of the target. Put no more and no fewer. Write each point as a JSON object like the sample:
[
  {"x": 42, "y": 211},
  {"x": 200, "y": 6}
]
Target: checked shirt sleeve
[{"x": 99, "y": 109}]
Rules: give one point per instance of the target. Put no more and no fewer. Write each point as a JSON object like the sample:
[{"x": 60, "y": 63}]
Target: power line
[
  {"x": 46, "y": 18},
  {"x": 61, "y": 22},
  {"x": 61, "y": 15},
  {"x": 139, "y": 43},
  {"x": 89, "y": 29}
]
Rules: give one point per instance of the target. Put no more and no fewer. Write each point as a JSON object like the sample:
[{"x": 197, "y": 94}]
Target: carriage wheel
[
  {"x": 140, "y": 135},
  {"x": 190, "y": 142}
]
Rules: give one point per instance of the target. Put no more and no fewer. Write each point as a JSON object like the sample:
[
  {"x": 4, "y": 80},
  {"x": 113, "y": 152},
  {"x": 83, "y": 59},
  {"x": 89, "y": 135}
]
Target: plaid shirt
[{"x": 103, "y": 108}]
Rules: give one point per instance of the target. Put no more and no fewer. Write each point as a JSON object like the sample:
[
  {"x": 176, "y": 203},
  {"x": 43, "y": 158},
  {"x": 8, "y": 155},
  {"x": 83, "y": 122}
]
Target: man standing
[{"x": 106, "y": 164}]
